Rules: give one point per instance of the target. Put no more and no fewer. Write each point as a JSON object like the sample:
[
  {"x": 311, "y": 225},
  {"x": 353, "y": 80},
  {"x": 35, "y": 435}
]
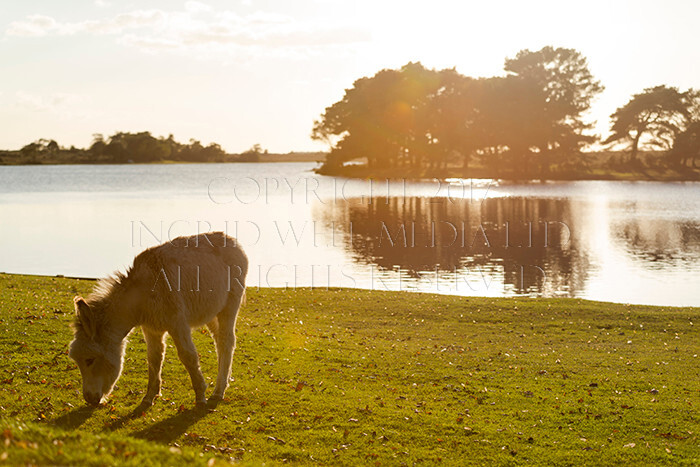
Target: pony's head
[{"x": 98, "y": 355}]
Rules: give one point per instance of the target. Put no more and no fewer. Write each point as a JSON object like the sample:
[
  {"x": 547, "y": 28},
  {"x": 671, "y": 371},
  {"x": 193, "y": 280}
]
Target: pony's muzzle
[{"x": 92, "y": 398}]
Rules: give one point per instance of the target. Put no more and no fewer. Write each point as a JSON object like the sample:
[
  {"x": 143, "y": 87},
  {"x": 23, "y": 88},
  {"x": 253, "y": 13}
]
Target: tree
[
  {"x": 52, "y": 147},
  {"x": 561, "y": 89},
  {"x": 214, "y": 153},
  {"x": 98, "y": 145},
  {"x": 354, "y": 124},
  {"x": 116, "y": 149},
  {"x": 413, "y": 115},
  {"x": 192, "y": 152},
  {"x": 660, "y": 112},
  {"x": 253, "y": 154},
  {"x": 134, "y": 147},
  {"x": 508, "y": 127},
  {"x": 686, "y": 146},
  {"x": 563, "y": 75},
  {"x": 449, "y": 119},
  {"x": 31, "y": 149},
  {"x": 40, "y": 149},
  {"x": 376, "y": 118}
]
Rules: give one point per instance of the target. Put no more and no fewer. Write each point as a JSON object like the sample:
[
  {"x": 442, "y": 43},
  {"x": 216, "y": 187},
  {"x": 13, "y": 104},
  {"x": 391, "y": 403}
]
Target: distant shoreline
[
  {"x": 362, "y": 171},
  {"x": 317, "y": 157}
]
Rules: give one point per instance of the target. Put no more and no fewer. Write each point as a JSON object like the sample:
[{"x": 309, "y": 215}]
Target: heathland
[{"x": 355, "y": 377}]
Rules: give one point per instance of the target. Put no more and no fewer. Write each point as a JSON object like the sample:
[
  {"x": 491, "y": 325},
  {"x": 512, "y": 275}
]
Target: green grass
[{"x": 356, "y": 377}]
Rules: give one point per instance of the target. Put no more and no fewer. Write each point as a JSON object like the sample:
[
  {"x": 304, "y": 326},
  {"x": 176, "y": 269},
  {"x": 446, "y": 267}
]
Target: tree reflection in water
[{"x": 530, "y": 244}]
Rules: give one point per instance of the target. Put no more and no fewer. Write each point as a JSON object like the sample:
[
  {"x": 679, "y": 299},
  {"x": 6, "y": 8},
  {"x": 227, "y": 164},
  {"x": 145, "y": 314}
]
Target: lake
[{"x": 629, "y": 242}]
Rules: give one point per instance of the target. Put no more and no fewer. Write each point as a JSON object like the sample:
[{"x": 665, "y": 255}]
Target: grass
[{"x": 357, "y": 377}]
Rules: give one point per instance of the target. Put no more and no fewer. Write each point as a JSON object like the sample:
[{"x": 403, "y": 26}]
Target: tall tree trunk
[{"x": 635, "y": 146}]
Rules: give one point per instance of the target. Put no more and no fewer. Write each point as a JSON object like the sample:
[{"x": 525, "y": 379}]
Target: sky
[{"x": 245, "y": 72}]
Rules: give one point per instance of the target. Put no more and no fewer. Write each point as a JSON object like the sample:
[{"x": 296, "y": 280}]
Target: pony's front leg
[
  {"x": 182, "y": 337},
  {"x": 155, "y": 344}
]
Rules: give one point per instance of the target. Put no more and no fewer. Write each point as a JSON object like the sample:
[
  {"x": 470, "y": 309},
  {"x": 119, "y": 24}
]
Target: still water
[{"x": 631, "y": 242}]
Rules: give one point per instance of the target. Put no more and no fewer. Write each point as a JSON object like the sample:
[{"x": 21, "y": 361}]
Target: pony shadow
[
  {"x": 74, "y": 418},
  {"x": 138, "y": 411},
  {"x": 168, "y": 430}
]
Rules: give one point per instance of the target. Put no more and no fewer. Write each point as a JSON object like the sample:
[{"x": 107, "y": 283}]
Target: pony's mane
[
  {"x": 106, "y": 287},
  {"x": 102, "y": 293}
]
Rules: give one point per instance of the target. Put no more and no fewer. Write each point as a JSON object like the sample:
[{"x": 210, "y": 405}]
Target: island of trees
[
  {"x": 142, "y": 147},
  {"x": 527, "y": 124}
]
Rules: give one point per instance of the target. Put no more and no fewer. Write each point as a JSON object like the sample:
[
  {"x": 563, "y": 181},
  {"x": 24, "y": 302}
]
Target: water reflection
[
  {"x": 659, "y": 244},
  {"x": 552, "y": 247},
  {"x": 528, "y": 244}
]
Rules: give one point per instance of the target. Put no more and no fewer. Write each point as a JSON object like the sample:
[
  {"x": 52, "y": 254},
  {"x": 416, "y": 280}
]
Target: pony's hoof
[
  {"x": 200, "y": 405},
  {"x": 147, "y": 401},
  {"x": 216, "y": 398}
]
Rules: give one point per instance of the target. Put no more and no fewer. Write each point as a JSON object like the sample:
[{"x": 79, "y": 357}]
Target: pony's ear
[{"x": 86, "y": 317}]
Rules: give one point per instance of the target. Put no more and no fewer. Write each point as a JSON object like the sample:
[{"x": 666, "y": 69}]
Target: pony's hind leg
[
  {"x": 225, "y": 344},
  {"x": 155, "y": 344},
  {"x": 213, "y": 326},
  {"x": 182, "y": 337}
]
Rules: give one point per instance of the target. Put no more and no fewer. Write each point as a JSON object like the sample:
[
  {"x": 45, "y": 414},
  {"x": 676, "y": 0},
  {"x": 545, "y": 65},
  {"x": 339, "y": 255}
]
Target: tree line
[
  {"x": 124, "y": 147},
  {"x": 529, "y": 121}
]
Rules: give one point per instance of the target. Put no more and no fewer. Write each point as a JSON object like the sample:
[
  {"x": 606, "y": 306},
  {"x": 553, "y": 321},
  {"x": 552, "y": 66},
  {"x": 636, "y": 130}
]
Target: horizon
[{"x": 260, "y": 72}]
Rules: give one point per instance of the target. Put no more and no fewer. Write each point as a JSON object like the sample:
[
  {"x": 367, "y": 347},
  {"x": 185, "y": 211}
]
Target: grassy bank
[{"x": 357, "y": 377}]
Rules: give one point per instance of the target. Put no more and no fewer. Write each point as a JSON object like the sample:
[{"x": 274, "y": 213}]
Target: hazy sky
[{"x": 242, "y": 72}]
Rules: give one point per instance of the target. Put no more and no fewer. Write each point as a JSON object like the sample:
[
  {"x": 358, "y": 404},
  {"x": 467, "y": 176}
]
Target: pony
[{"x": 185, "y": 283}]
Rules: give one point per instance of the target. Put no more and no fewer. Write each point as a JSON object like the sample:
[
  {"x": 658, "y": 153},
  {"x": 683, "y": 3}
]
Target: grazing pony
[{"x": 174, "y": 287}]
